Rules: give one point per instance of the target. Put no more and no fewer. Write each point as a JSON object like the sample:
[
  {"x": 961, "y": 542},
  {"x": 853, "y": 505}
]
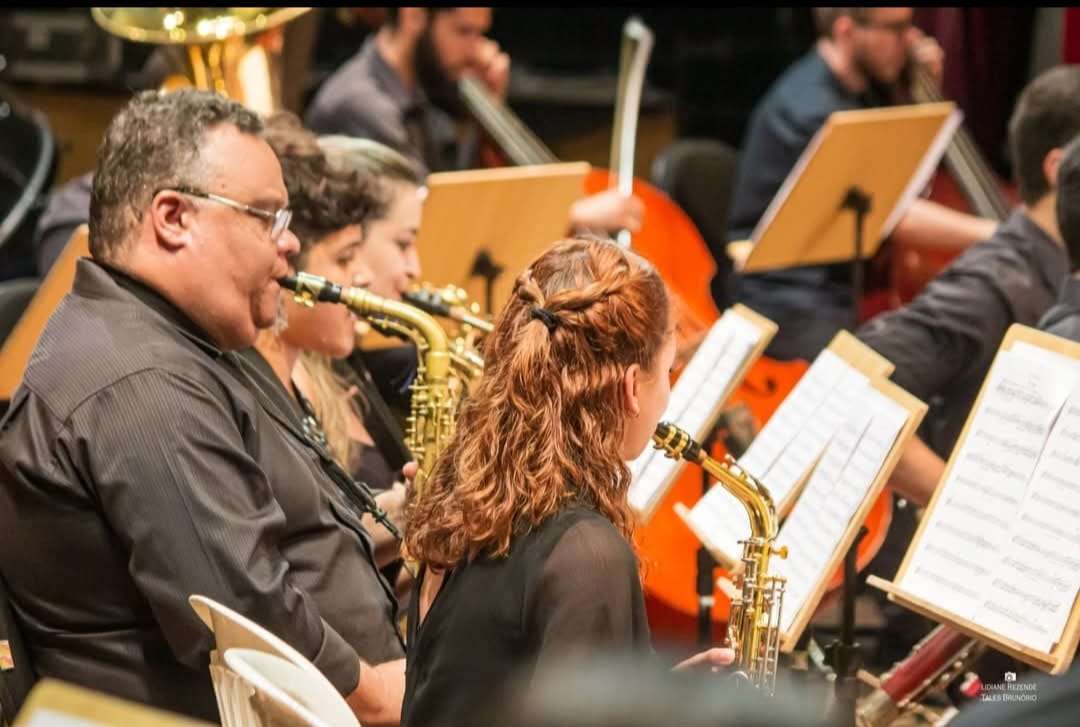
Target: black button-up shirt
[
  {"x": 366, "y": 98},
  {"x": 138, "y": 466},
  {"x": 944, "y": 341}
]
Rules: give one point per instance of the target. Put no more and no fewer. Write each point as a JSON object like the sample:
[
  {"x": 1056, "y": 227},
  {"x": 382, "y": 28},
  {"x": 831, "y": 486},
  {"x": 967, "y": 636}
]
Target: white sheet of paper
[
  {"x": 786, "y": 448},
  {"x": 957, "y": 564},
  {"x": 784, "y": 425},
  {"x": 839, "y": 486},
  {"x": 1031, "y": 597},
  {"x": 705, "y": 382}
]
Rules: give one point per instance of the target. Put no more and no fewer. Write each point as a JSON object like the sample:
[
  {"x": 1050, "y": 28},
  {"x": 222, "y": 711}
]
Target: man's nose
[{"x": 288, "y": 244}]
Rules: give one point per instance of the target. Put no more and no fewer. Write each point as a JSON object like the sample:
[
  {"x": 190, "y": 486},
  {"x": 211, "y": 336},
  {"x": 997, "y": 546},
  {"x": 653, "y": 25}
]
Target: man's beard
[
  {"x": 440, "y": 89},
  {"x": 878, "y": 92}
]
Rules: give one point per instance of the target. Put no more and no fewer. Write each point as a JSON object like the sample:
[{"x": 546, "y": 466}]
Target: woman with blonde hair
[
  {"x": 523, "y": 530},
  {"x": 331, "y": 210}
]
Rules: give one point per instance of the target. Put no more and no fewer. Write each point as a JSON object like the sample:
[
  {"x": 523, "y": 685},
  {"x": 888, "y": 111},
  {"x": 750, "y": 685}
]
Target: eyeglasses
[
  {"x": 899, "y": 29},
  {"x": 279, "y": 219}
]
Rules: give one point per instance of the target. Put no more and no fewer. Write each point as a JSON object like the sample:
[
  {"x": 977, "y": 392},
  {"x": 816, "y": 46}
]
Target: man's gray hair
[{"x": 153, "y": 144}]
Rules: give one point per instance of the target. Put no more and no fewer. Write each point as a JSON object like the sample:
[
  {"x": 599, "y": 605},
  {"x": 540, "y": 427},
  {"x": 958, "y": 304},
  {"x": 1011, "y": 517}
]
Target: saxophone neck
[
  {"x": 754, "y": 497},
  {"x": 437, "y": 353}
]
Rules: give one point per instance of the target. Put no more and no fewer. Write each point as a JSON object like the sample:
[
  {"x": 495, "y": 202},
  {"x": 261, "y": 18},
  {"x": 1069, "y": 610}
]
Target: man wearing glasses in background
[
  {"x": 860, "y": 61},
  {"x": 138, "y": 466}
]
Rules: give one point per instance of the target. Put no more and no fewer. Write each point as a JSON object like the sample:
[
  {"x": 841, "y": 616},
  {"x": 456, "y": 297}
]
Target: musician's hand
[
  {"x": 928, "y": 54},
  {"x": 712, "y": 659},
  {"x": 607, "y": 211},
  {"x": 409, "y": 470},
  {"x": 493, "y": 67}
]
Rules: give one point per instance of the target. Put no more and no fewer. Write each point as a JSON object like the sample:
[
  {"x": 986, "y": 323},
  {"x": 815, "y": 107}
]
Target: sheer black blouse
[{"x": 570, "y": 584}]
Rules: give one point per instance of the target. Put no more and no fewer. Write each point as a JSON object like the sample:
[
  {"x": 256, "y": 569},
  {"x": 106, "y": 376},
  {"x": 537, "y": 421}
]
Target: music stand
[
  {"x": 483, "y": 227},
  {"x": 1059, "y": 657},
  {"x": 870, "y": 162}
]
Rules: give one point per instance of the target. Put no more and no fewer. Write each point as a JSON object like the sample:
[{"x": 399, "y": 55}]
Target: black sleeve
[
  {"x": 588, "y": 594},
  {"x": 953, "y": 324},
  {"x": 197, "y": 515}
]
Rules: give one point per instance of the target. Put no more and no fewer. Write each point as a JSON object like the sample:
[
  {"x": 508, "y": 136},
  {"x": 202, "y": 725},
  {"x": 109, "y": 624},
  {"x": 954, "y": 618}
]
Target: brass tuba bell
[{"x": 235, "y": 52}]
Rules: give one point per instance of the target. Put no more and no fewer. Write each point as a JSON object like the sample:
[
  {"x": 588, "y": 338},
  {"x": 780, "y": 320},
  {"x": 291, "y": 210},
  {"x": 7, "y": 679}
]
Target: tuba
[
  {"x": 235, "y": 52},
  {"x": 754, "y": 622},
  {"x": 432, "y": 404}
]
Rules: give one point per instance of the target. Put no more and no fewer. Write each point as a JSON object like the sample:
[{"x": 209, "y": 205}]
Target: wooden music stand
[
  {"x": 483, "y": 227},
  {"x": 871, "y": 162},
  {"x": 766, "y": 329},
  {"x": 15, "y": 353},
  {"x": 53, "y": 703},
  {"x": 916, "y": 410},
  {"x": 860, "y": 357},
  {"x": 1060, "y": 657}
]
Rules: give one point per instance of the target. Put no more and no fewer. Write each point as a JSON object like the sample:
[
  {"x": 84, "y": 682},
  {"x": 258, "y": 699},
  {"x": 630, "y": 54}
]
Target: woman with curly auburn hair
[{"x": 523, "y": 531}]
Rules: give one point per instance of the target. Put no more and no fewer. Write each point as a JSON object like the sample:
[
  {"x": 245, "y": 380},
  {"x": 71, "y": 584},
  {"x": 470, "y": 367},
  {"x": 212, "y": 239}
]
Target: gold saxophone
[
  {"x": 451, "y": 302},
  {"x": 754, "y": 621},
  {"x": 432, "y": 404}
]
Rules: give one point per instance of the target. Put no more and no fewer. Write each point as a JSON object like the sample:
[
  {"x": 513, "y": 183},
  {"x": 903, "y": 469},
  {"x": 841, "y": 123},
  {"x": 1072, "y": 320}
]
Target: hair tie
[{"x": 548, "y": 318}]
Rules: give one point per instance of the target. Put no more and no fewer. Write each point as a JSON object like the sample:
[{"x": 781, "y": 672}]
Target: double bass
[{"x": 969, "y": 180}]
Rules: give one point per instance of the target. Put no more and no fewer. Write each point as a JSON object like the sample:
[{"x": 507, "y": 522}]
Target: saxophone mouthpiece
[
  {"x": 311, "y": 289},
  {"x": 288, "y": 282}
]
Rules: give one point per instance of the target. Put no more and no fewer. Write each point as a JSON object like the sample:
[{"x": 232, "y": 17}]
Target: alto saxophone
[
  {"x": 452, "y": 303},
  {"x": 432, "y": 405},
  {"x": 754, "y": 620}
]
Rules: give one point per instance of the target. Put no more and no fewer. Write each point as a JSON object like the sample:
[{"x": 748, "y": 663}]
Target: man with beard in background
[{"x": 401, "y": 89}]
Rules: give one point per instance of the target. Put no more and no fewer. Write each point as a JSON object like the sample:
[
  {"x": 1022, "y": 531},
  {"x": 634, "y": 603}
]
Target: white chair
[
  {"x": 233, "y": 631},
  {"x": 285, "y": 695}
]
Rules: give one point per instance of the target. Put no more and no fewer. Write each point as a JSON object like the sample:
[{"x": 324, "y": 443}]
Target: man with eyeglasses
[
  {"x": 858, "y": 61},
  {"x": 137, "y": 464}
]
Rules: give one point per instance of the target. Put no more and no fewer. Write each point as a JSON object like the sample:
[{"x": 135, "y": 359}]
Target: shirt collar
[
  {"x": 1049, "y": 257},
  {"x": 389, "y": 80},
  {"x": 93, "y": 279}
]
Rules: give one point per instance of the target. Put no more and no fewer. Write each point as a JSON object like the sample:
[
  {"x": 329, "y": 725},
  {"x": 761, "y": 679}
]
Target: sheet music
[
  {"x": 1007, "y": 498},
  {"x": 704, "y": 383},
  {"x": 786, "y": 448},
  {"x": 783, "y": 426},
  {"x": 1031, "y": 597},
  {"x": 839, "y": 486}
]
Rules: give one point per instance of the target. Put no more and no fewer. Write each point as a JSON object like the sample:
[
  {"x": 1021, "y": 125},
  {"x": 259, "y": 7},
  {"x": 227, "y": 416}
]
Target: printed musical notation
[
  {"x": 704, "y": 383},
  {"x": 787, "y": 447},
  {"x": 999, "y": 548},
  {"x": 840, "y": 484}
]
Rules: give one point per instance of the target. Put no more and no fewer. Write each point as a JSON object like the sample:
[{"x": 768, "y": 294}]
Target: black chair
[
  {"x": 15, "y": 296},
  {"x": 27, "y": 167},
  {"x": 698, "y": 175}
]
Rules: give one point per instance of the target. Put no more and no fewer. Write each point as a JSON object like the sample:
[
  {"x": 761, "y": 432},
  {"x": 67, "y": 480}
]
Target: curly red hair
[{"x": 544, "y": 426}]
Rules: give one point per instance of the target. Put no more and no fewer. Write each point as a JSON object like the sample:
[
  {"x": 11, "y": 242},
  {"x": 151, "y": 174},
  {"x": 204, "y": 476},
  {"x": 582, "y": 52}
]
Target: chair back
[
  {"x": 698, "y": 175},
  {"x": 286, "y": 695},
  {"x": 234, "y": 631}
]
